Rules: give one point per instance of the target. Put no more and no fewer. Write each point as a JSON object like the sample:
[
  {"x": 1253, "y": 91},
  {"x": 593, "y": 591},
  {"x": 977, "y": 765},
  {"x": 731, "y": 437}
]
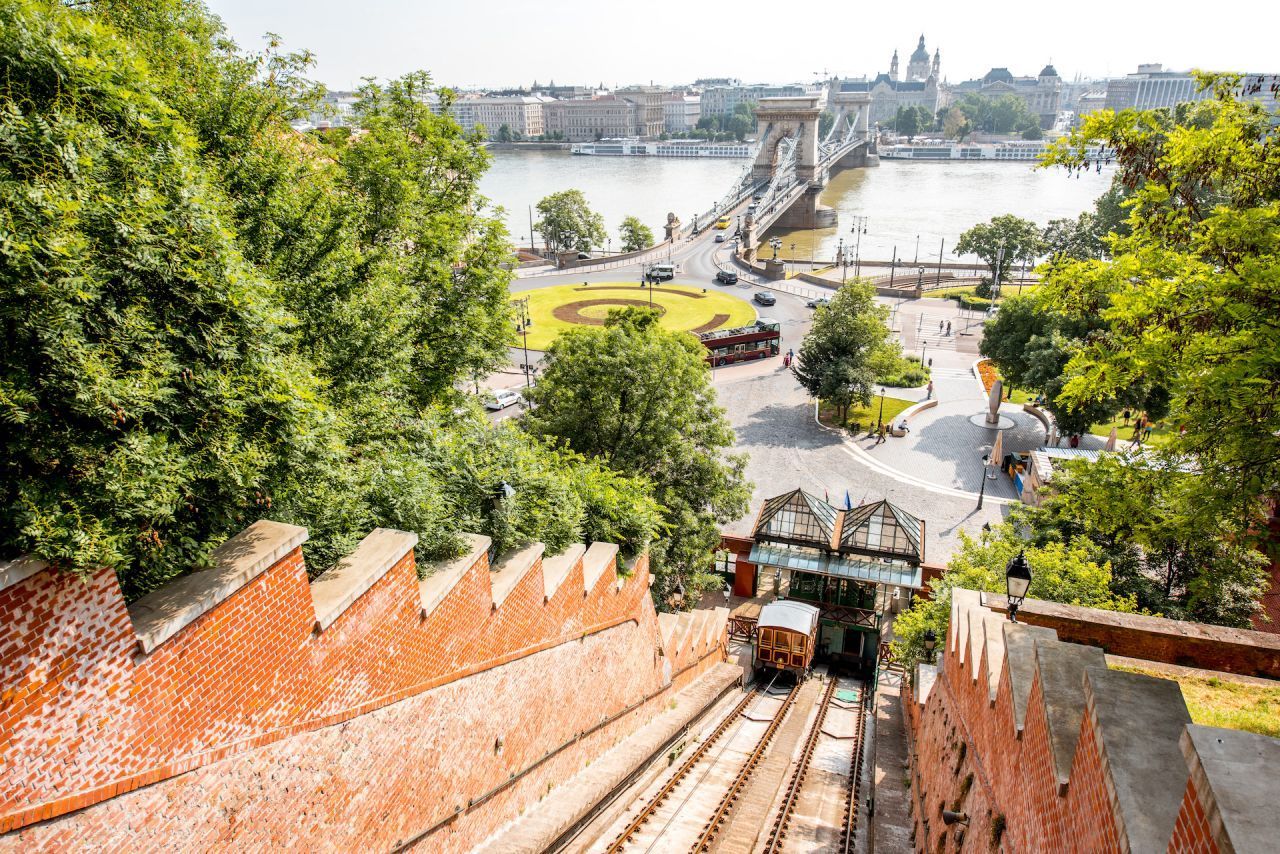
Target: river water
[{"x": 906, "y": 204}]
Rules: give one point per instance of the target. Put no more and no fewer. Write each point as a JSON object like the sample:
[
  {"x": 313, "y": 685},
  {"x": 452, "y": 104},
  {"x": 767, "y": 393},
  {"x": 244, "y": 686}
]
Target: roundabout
[{"x": 556, "y": 309}]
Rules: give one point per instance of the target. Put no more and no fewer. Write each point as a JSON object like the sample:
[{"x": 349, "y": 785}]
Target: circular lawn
[{"x": 688, "y": 309}]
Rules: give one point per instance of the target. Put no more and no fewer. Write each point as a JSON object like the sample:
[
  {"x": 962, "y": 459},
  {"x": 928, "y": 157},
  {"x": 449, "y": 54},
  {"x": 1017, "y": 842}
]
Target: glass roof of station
[
  {"x": 878, "y": 530},
  {"x": 801, "y": 559}
]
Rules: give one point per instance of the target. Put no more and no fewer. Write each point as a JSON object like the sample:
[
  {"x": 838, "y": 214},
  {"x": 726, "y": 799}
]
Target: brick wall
[
  {"x": 1044, "y": 749},
  {"x": 249, "y": 707}
]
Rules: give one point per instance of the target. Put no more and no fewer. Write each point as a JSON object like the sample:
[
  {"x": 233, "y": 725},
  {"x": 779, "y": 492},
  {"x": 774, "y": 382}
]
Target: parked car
[
  {"x": 720, "y": 237},
  {"x": 765, "y": 298},
  {"x": 727, "y": 277},
  {"x": 501, "y": 399},
  {"x": 818, "y": 303},
  {"x": 584, "y": 256}
]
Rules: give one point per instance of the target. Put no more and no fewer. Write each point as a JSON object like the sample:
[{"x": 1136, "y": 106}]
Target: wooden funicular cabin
[
  {"x": 854, "y": 565},
  {"x": 786, "y": 637}
]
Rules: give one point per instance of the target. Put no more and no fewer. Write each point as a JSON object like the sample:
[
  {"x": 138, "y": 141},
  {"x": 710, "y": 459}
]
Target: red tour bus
[{"x": 757, "y": 341}]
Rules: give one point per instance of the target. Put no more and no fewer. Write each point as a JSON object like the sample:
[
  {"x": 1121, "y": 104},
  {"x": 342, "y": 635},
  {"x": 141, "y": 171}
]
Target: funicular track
[
  {"x": 727, "y": 803},
  {"x": 694, "y": 758},
  {"x": 792, "y": 794},
  {"x": 850, "y": 829}
]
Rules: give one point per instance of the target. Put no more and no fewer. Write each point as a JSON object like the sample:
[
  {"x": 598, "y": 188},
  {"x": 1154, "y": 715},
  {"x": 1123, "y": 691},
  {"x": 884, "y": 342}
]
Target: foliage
[
  {"x": 849, "y": 339},
  {"x": 1005, "y": 114},
  {"x": 1032, "y": 132},
  {"x": 635, "y": 234},
  {"x": 1140, "y": 516},
  {"x": 898, "y": 371},
  {"x": 569, "y": 223},
  {"x": 210, "y": 318},
  {"x": 1087, "y": 235},
  {"x": 826, "y": 121},
  {"x": 639, "y": 399},
  {"x": 1189, "y": 295},
  {"x": 909, "y": 121},
  {"x": 1060, "y": 572},
  {"x": 956, "y": 125},
  {"x": 1001, "y": 243}
]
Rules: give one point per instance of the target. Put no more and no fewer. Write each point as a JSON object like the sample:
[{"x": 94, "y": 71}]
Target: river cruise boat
[
  {"x": 689, "y": 148},
  {"x": 1016, "y": 152}
]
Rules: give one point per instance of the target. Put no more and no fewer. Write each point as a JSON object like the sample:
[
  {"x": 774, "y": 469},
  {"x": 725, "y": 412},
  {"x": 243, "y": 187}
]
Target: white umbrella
[{"x": 1111, "y": 441}]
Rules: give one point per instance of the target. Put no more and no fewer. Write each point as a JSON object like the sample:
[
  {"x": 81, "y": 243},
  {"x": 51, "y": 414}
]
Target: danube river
[{"x": 905, "y": 203}]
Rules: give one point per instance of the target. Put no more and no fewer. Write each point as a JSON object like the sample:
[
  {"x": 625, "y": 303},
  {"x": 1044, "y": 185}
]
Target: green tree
[
  {"x": 639, "y": 398},
  {"x": 1032, "y": 132},
  {"x": 504, "y": 133},
  {"x": 848, "y": 341},
  {"x": 635, "y": 234},
  {"x": 826, "y": 121},
  {"x": 956, "y": 125},
  {"x": 910, "y": 121},
  {"x": 1060, "y": 572},
  {"x": 1003, "y": 242},
  {"x": 569, "y": 223},
  {"x": 1188, "y": 293}
]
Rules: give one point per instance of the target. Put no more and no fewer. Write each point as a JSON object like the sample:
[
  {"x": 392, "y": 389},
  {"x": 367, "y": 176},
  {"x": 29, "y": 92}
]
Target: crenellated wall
[
  {"x": 1042, "y": 748},
  {"x": 242, "y": 705}
]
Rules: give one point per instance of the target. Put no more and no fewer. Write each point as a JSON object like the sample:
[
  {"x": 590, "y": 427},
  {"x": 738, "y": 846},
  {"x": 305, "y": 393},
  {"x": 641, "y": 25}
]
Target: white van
[{"x": 661, "y": 272}]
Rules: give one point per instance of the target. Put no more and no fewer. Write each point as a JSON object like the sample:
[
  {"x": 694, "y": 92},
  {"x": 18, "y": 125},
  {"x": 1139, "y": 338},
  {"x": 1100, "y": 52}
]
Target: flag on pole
[{"x": 848, "y": 502}]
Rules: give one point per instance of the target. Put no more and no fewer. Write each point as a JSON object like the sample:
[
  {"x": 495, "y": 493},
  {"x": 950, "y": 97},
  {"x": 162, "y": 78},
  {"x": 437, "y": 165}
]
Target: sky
[{"x": 498, "y": 43}]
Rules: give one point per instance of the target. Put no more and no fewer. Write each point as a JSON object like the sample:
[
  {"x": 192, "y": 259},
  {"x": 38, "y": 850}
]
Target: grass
[
  {"x": 863, "y": 419},
  {"x": 1160, "y": 434},
  {"x": 969, "y": 290},
  {"x": 684, "y": 307},
  {"x": 1225, "y": 702}
]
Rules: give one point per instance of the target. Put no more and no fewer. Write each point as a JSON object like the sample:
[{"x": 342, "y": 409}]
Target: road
[{"x": 773, "y": 416}]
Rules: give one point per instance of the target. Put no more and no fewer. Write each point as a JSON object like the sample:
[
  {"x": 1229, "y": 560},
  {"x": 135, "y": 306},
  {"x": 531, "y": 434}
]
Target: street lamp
[
  {"x": 859, "y": 228},
  {"x": 983, "y": 490},
  {"x": 930, "y": 641},
  {"x": 727, "y": 594},
  {"x": 1017, "y": 579},
  {"x": 880, "y": 417}
]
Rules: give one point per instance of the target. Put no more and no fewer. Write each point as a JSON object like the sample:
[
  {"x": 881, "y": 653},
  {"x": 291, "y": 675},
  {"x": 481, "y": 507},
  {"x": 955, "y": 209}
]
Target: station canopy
[{"x": 878, "y": 543}]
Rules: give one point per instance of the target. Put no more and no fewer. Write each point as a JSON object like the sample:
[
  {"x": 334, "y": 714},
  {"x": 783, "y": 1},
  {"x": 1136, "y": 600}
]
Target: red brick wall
[
  {"x": 249, "y": 727},
  {"x": 1191, "y": 832}
]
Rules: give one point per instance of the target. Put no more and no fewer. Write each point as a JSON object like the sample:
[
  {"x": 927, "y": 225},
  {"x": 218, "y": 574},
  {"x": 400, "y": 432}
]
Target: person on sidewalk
[
  {"x": 948, "y": 328},
  {"x": 939, "y": 327},
  {"x": 929, "y": 395},
  {"x": 881, "y": 434}
]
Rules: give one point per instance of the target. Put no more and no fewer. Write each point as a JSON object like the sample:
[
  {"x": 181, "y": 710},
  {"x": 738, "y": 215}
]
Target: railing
[
  {"x": 742, "y": 628},
  {"x": 849, "y": 615}
]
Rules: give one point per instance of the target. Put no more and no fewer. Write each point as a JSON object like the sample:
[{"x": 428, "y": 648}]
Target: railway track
[
  {"x": 727, "y": 803},
  {"x": 792, "y": 794},
  {"x": 850, "y": 830},
  {"x": 652, "y": 805}
]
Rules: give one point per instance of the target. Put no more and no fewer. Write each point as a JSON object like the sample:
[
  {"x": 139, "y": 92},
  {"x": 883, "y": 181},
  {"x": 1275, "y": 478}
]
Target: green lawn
[
  {"x": 1225, "y": 702},
  {"x": 683, "y": 307},
  {"x": 968, "y": 290},
  {"x": 1160, "y": 435},
  {"x": 863, "y": 419}
]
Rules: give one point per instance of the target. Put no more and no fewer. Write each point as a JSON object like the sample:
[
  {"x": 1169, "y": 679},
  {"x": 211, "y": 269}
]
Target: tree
[
  {"x": 638, "y": 398},
  {"x": 1032, "y": 132},
  {"x": 826, "y": 121},
  {"x": 840, "y": 354},
  {"x": 909, "y": 121},
  {"x": 635, "y": 234},
  {"x": 1002, "y": 243},
  {"x": 504, "y": 133},
  {"x": 956, "y": 125},
  {"x": 1060, "y": 572},
  {"x": 569, "y": 223},
  {"x": 211, "y": 318},
  {"x": 995, "y": 115},
  {"x": 1188, "y": 295}
]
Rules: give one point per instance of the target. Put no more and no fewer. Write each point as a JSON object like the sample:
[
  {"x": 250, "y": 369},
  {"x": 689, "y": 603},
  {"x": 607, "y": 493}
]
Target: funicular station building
[{"x": 856, "y": 565}]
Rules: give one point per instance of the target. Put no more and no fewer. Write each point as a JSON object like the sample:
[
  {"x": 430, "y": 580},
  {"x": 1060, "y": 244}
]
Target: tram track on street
[{"x": 650, "y": 808}]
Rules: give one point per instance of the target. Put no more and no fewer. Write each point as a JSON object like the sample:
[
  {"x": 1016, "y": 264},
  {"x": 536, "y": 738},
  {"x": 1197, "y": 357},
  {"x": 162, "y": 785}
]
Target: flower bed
[{"x": 988, "y": 373}]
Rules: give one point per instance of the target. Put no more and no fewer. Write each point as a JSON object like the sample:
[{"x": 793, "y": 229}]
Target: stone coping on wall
[
  {"x": 443, "y": 576},
  {"x": 556, "y": 568},
  {"x": 334, "y": 591},
  {"x": 511, "y": 568},
  {"x": 163, "y": 613},
  {"x": 599, "y": 557},
  {"x": 18, "y": 570},
  {"x": 1235, "y": 779}
]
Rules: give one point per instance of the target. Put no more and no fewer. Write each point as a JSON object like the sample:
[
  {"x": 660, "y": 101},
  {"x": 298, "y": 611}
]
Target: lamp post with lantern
[{"x": 1017, "y": 581}]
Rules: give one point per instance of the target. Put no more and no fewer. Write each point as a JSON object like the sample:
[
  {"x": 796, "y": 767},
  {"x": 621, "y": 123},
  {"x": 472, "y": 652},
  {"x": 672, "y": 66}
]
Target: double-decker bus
[{"x": 757, "y": 341}]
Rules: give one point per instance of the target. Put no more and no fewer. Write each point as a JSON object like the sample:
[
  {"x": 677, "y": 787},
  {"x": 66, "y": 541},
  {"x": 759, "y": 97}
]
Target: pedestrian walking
[
  {"x": 939, "y": 327},
  {"x": 880, "y": 436},
  {"x": 1146, "y": 432},
  {"x": 929, "y": 396},
  {"x": 948, "y": 328},
  {"x": 1126, "y": 414}
]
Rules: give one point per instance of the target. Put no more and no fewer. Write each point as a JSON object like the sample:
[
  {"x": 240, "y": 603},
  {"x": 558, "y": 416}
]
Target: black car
[
  {"x": 765, "y": 298},
  {"x": 727, "y": 277}
]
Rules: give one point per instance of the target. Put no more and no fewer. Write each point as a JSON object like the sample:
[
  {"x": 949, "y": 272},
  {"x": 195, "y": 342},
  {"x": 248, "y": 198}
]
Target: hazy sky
[{"x": 508, "y": 42}]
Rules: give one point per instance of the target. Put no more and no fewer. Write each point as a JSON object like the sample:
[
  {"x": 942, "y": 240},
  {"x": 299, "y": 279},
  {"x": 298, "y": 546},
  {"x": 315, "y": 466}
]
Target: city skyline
[{"x": 576, "y": 42}]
